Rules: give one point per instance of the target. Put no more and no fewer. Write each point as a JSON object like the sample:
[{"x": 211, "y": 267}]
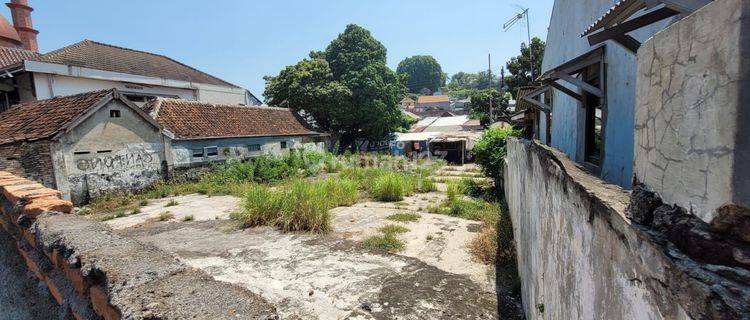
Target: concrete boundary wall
[
  {"x": 580, "y": 257},
  {"x": 94, "y": 273}
]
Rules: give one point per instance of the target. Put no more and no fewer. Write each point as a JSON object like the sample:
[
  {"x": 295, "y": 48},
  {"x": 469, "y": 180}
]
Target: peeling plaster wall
[
  {"x": 692, "y": 123},
  {"x": 578, "y": 256},
  {"x": 237, "y": 148},
  {"x": 569, "y": 19},
  {"x": 125, "y": 153}
]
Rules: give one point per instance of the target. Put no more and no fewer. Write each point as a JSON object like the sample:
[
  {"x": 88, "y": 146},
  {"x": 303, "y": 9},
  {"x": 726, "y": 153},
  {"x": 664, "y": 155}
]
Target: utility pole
[
  {"x": 489, "y": 74},
  {"x": 511, "y": 22}
]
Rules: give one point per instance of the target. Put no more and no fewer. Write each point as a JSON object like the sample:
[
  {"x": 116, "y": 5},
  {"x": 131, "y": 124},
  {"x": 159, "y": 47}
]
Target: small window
[
  {"x": 283, "y": 145},
  {"x": 114, "y": 113},
  {"x": 197, "y": 153},
  {"x": 81, "y": 152},
  {"x": 212, "y": 151},
  {"x": 253, "y": 147},
  {"x": 104, "y": 151}
]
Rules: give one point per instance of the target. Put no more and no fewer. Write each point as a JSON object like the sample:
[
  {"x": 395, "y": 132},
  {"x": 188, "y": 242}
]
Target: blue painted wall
[
  {"x": 569, "y": 19},
  {"x": 228, "y": 148}
]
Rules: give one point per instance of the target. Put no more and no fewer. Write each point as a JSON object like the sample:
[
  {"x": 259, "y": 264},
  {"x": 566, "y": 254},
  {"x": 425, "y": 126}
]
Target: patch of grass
[
  {"x": 188, "y": 218},
  {"x": 171, "y": 203},
  {"x": 393, "y": 229},
  {"x": 107, "y": 217},
  {"x": 429, "y": 237},
  {"x": 404, "y": 217},
  {"x": 392, "y": 186},
  {"x": 143, "y": 203},
  {"x": 166, "y": 215},
  {"x": 425, "y": 185},
  {"x": 135, "y": 211},
  {"x": 298, "y": 205},
  {"x": 384, "y": 242}
]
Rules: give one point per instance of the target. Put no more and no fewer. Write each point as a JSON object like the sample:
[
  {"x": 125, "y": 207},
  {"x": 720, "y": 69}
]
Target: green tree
[
  {"x": 423, "y": 72},
  {"x": 480, "y": 106},
  {"x": 489, "y": 153},
  {"x": 347, "y": 90},
  {"x": 520, "y": 66}
]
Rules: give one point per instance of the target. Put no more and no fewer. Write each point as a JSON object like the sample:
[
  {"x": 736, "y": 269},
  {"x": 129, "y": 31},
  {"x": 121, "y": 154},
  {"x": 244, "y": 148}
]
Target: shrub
[
  {"x": 404, "y": 217},
  {"x": 171, "y": 203},
  {"x": 490, "y": 150},
  {"x": 135, "y": 211},
  {"x": 164, "y": 216},
  {"x": 143, "y": 203},
  {"x": 392, "y": 186},
  {"x": 188, "y": 218}
]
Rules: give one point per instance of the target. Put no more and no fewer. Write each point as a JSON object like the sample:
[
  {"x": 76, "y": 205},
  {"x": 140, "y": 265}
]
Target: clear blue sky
[{"x": 241, "y": 41}]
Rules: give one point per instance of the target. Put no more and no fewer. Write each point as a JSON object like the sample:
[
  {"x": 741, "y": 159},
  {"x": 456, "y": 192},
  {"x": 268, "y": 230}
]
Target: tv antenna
[{"x": 512, "y": 21}]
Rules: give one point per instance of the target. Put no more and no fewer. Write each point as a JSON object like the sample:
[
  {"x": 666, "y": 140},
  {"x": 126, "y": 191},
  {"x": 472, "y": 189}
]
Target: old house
[
  {"x": 203, "y": 132},
  {"x": 650, "y": 218},
  {"x": 27, "y": 75},
  {"x": 589, "y": 71},
  {"x": 433, "y": 102},
  {"x": 83, "y": 145}
]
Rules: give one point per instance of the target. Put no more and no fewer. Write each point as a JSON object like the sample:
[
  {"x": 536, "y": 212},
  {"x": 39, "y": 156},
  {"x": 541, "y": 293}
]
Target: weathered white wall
[
  {"x": 49, "y": 86},
  {"x": 691, "y": 137},
  {"x": 237, "y": 148},
  {"x": 578, "y": 257},
  {"x": 124, "y": 153},
  {"x": 569, "y": 19}
]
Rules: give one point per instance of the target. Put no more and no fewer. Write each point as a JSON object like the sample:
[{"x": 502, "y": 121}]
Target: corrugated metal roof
[{"x": 449, "y": 121}]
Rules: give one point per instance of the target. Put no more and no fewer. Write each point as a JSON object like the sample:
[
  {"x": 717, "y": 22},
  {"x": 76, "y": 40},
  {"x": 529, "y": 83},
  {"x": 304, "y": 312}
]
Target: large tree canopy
[
  {"x": 520, "y": 66},
  {"x": 423, "y": 72},
  {"x": 346, "y": 90}
]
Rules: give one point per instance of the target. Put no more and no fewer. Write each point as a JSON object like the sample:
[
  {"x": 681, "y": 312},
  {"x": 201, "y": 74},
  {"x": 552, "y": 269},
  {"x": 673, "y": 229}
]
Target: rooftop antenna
[{"x": 512, "y": 21}]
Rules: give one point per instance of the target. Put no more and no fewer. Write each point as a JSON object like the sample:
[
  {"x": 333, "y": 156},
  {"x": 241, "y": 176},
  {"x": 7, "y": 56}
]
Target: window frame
[{"x": 209, "y": 154}]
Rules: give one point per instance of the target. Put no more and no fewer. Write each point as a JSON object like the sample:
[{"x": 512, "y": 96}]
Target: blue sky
[{"x": 241, "y": 41}]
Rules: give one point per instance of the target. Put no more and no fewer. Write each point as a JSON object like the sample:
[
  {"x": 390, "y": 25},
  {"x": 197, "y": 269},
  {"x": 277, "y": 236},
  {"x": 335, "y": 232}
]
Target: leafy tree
[
  {"x": 423, "y": 72},
  {"x": 480, "y": 106},
  {"x": 520, "y": 66},
  {"x": 346, "y": 90}
]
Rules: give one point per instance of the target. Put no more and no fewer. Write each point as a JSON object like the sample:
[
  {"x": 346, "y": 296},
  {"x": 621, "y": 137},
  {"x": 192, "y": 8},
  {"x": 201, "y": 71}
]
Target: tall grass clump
[
  {"x": 298, "y": 205},
  {"x": 392, "y": 186}
]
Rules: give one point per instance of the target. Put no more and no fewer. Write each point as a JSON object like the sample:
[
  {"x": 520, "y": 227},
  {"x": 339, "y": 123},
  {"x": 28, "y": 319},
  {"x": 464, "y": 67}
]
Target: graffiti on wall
[{"x": 128, "y": 160}]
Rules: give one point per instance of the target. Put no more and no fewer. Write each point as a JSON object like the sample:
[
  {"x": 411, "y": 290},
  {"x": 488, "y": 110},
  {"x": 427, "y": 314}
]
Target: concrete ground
[
  {"x": 332, "y": 277},
  {"x": 21, "y": 295}
]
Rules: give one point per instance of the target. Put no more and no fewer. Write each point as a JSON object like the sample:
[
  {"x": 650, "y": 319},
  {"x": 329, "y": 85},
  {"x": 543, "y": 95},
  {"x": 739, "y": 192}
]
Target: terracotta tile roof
[
  {"x": 203, "y": 120},
  {"x": 11, "y": 56},
  {"x": 44, "y": 118},
  {"x": 101, "y": 56},
  {"x": 433, "y": 99}
]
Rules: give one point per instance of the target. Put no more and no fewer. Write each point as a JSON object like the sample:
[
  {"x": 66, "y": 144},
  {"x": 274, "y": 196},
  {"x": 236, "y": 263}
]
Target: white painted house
[{"x": 27, "y": 75}]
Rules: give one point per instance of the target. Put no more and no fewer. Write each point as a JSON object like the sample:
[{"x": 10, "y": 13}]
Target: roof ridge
[
  {"x": 89, "y": 41},
  {"x": 263, "y": 107}
]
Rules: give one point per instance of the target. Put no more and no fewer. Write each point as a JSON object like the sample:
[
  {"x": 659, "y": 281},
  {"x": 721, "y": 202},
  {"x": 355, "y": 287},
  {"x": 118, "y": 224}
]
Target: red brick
[
  {"x": 54, "y": 290},
  {"x": 31, "y": 264},
  {"x": 76, "y": 278},
  {"x": 37, "y": 206},
  {"x": 100, "y": 301},
  {"x": 29, "y": 237}
]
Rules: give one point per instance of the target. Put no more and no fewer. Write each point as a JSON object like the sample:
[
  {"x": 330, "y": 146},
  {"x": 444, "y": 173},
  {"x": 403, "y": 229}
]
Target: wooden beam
[
  {"x": 583, "y": 85},
  {"x": 630, "y": 25},
  {"x": 539, "y": 105},
  {"x": 567, "y": 91},
  {"x": 628, "y": 43}
]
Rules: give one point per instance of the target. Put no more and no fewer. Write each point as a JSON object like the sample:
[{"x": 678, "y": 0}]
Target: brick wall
[
  {"x": 94, "y": 273},
  {"x": 30, "y": 160}
]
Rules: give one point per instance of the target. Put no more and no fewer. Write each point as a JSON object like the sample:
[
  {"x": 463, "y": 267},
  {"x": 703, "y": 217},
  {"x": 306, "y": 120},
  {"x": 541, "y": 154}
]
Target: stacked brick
[
  {"x": 21, "y": 202},
  {"x": 94, "y": 273}
]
